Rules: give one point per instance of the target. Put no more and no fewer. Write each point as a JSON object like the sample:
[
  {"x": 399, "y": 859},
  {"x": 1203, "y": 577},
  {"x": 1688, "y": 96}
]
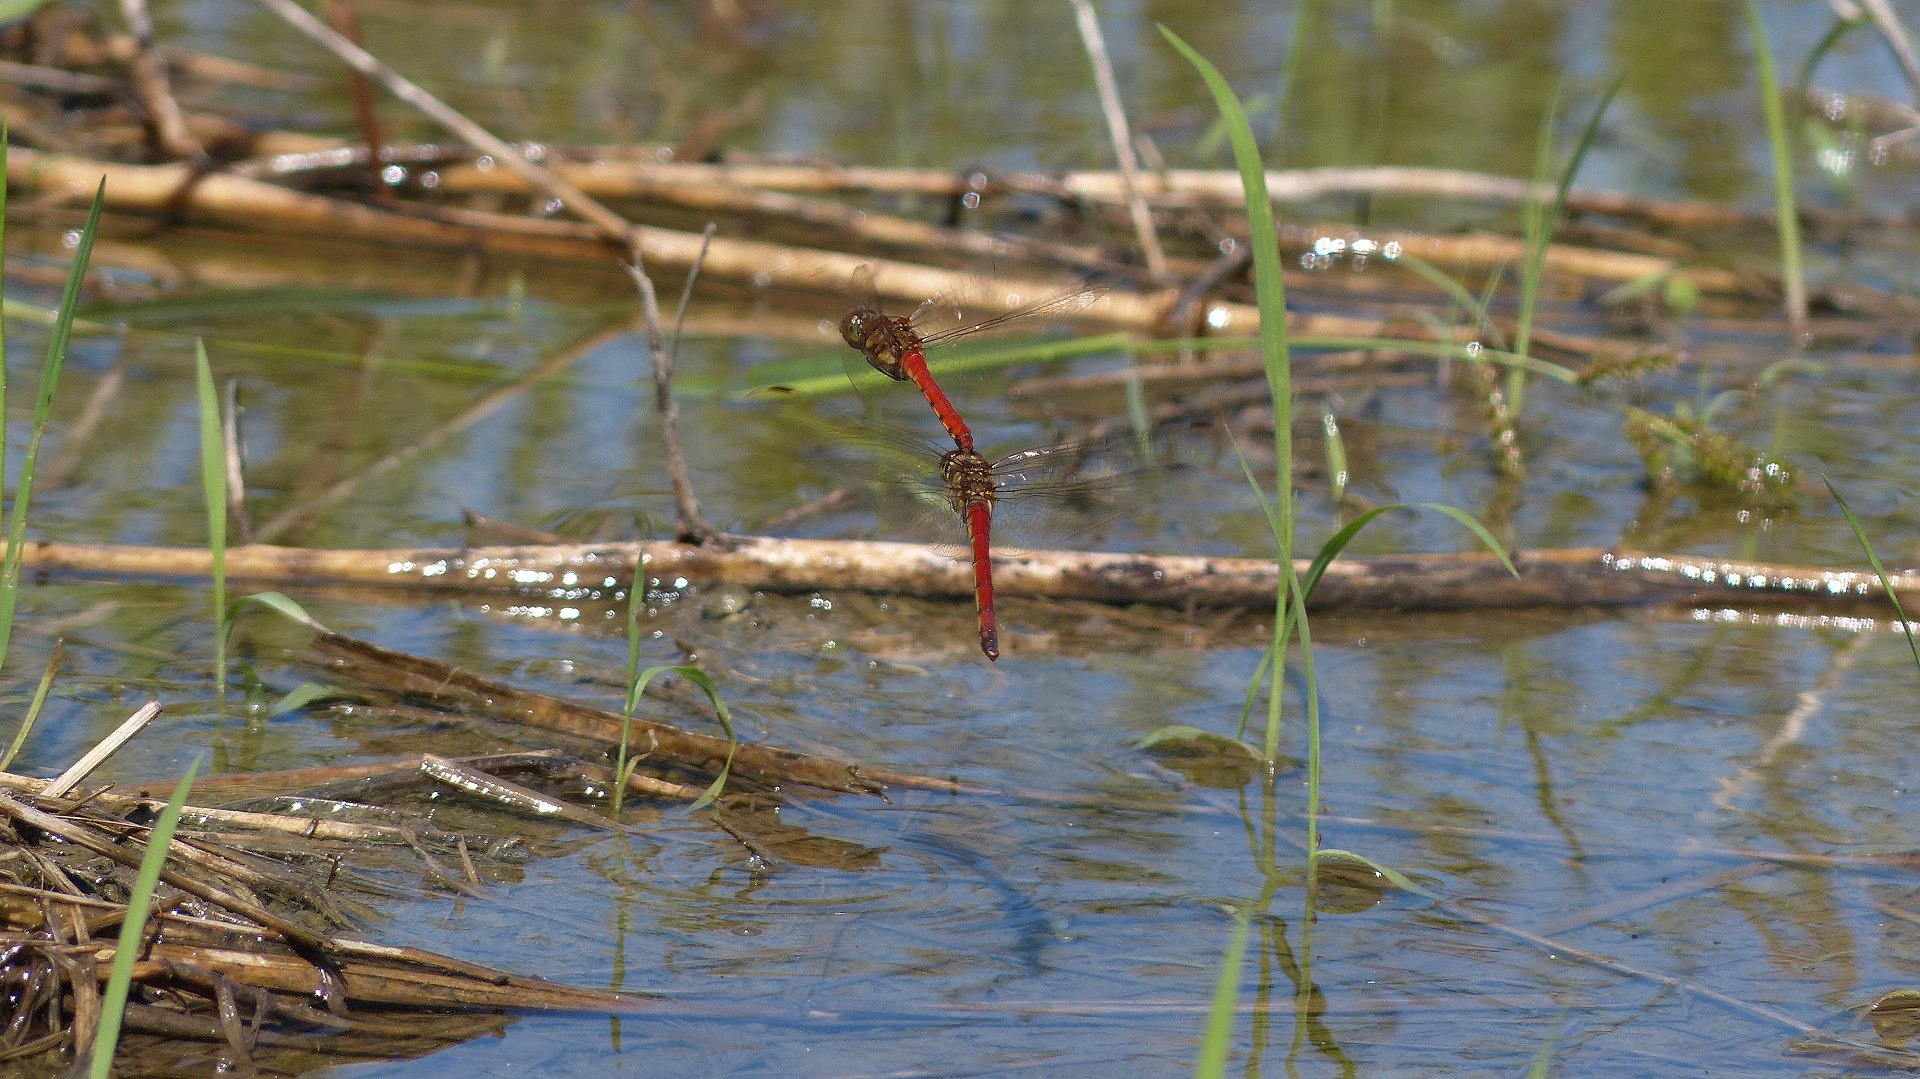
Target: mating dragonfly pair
[{"x": 896, "y": 346}]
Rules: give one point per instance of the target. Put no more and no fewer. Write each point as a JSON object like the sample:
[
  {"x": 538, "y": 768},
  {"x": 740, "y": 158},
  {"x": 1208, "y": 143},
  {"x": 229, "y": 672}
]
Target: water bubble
[
  {"x": 484, "y": 163},
  {"x": 430, "y": 180},
  {"x": 393, "y": 175},
  {"x": 552, "y": 207},
  {"x": 1473, "y": 349},
  {"x": 970, "y": 200},
  {"x": 1218, "y": 318}
]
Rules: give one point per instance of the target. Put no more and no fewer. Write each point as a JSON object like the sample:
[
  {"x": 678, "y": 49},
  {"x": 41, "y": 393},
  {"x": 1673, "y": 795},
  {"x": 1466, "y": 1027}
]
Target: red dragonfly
[
  {"x": 896, "y": 345},
  {"x": 1075, "y": 477}
]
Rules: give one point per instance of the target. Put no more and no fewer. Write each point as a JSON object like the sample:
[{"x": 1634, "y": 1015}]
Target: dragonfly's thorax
[
  {"x": 969, "y": 478},
  {"x": 884, "y": 339}
]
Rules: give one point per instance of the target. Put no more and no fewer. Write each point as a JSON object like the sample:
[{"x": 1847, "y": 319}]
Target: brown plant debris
[{"x": 232, "y": 953}]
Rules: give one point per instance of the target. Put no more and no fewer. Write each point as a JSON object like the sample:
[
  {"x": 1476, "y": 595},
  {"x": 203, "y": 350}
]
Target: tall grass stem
[
  {"x": 1270, "y": 294},
  {"x": 213, "y": 483},
  {"x": 42, "y": 416},
  {"x": 113, "y": 1004},
  {"x": 1780, "y": 142}
]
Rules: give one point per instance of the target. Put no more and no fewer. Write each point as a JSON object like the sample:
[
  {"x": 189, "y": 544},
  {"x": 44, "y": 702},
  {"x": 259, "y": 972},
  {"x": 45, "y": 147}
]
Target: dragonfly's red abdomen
[{"x": 970, "y": 486}]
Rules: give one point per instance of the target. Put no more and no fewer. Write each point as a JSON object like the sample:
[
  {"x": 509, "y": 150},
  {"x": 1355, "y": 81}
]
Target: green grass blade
[
  {"x": 113, "y": 1004},
  {"x": 1588, "y": 134},
  {"x": 6, "y": 307},
  {"x": 1541, "y": 222},
  {"x": 1388, "y": 873},
  {"x": 304, "y": 694},
  {"x": 1337, "y": 542},
  {"x": 213, "y": 482},
  {"x": 1873, "y": 560},
  {"x": 1838, "y": 30},
  {"x": 1216, "y": 1044},
  {"x": 42, "y": 415},
  {"x": 1269, "y": 286},
  {"x": 1336, "y": 456},
  {"x": 1780, "y": 142},
  {"x": 1253, "y": 692},
  {"x": 637, "y": 684},
  {"x": 1270, "y": 294},
  {"x": 1457, "y": 292},
  {"x": 1536, "y": 228},
  {"x": 279, "y": 603},
  {"x": 33, "y": 707}
]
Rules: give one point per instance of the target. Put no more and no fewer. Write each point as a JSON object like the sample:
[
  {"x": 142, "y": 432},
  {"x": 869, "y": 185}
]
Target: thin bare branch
[
  {"x": 693, "y": 528},
  {"x": 235, "y": 462},
  {"x": 1556, "y": 578},
  {"x": 340, "y": 13},
  {"x": 577, "y": 201},
  {"x": 1116, "y": 116},
  {"x": 151, "y": 85}
]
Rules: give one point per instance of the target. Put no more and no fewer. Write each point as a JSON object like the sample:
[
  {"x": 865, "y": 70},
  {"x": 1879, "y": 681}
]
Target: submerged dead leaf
[
  {"x": 1203, "y": 757},
  {"x": 1895, "y": 1016}
]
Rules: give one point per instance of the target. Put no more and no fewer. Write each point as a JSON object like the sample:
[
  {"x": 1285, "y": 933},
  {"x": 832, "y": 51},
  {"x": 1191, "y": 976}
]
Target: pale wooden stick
[
  {"x": 507, "y": 793},
  {"x": 81, "y": 48},
  {"x": 108, "y": 746},
  {"x": 1557, "y": 578},
  {"x": 1171, "y": 188},
  {"x": 251, "y": 203}
]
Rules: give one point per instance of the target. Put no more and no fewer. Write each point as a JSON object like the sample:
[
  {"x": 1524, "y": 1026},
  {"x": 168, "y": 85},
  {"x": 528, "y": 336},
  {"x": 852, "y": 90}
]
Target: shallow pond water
[{"x": 1642, "y": 836}]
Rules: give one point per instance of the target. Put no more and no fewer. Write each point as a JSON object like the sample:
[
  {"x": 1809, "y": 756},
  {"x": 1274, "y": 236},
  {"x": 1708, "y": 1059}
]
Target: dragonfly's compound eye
[{"x": 855, "y": 328}]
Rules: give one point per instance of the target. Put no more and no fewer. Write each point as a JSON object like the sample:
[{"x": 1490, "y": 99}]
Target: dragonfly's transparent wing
[
  {"x": 1067, "y": 493},
  {"x": 988, "y": 307}
]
